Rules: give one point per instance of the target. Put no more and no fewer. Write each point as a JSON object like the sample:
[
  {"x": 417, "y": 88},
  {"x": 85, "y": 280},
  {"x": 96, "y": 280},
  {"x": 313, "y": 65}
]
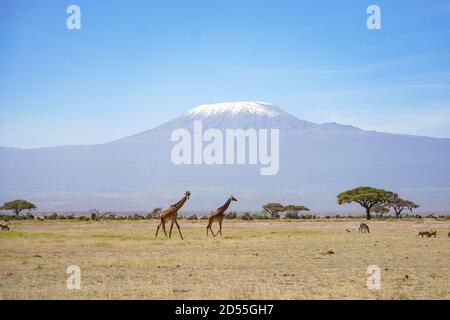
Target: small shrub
[
  {"x": 52, "y": 216},
  {"x": 136, "y": 217},
  {"x": 231, "y": 215},
  {"x": 247, "y": 216}
]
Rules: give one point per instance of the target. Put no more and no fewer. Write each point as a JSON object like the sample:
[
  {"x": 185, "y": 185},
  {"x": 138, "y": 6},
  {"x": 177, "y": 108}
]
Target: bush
[
  {"x": 52, "y": 216},
  {"x": 6, "y": 217},
  {"x": 192, "y": 217},
  {"x": 136, "y": 217},
  {"x": 247, "y": 216},
  {"x": 231, "y": 215}
]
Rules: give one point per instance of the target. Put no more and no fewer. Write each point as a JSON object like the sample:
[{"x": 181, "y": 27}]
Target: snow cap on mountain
[{"x": 234, "y": 108}]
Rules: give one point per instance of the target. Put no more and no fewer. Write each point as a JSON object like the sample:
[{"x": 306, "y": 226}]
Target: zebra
[{"x": 363, "y": 228}]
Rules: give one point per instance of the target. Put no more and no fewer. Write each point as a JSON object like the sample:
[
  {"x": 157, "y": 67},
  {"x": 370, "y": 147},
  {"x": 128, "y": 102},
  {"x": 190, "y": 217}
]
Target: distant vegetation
[
  {"x": 366, "y": 197},
  {"x": 232, "y": 216},
  {"x": 96, "y": 215},
  {"x": 376, "y": 202},
  {"x": 274, "y": 209},
  {"x": 17, "y": 206}
]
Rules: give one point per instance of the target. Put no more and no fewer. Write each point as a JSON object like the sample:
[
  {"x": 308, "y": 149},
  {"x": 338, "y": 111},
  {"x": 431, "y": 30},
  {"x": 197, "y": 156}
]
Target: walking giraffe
[
  {"x": 217, "y": 215},
  {"x": 171, "y": 213}
]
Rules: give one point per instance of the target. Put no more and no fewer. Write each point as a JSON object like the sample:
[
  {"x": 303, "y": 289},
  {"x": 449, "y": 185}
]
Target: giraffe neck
[
  {"x": 225, "y": 206},
  {"x": 180, "y": 203}
]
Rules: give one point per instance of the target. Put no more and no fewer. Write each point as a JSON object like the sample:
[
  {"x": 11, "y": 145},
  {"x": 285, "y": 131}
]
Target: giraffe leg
[
  {"x": 220, "y": 227},
  {"x": 210, "y": 223},
  {"x": 212, "y": 231},
  {"x": 157, "y": 229},
  {"x": 208, "y": 227},
  {"x": 170, "y": 231},
  {"x": 179, "y": 230},
  {"x": 164, "y": 228}
]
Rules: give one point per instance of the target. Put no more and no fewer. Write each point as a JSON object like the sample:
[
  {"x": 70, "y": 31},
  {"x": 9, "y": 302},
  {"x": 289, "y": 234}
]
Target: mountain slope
[{"x": 316, "y": 162}]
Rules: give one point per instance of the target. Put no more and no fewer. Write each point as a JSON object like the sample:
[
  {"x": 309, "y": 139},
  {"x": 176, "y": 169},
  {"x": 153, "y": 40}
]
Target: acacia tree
[
  {"x": 399, "y": 204},
  {"x": 273, "y": 209},
  {"x": 379, "y": 209},
  {"x": 17, "y": 206},
  {"x": 366, "y": 197},
  {"x": 292, "y": 210}
]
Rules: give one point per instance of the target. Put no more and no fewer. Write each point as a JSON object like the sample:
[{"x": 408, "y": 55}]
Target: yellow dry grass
[{"x": 253, "y": 260}]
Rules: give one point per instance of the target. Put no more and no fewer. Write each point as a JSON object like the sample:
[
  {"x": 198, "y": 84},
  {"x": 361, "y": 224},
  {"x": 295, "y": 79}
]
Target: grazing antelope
[
  {"x": 363, "y": 228},
  {"x": 4, "y": 227},
  {"x": 217, "y": 215}
]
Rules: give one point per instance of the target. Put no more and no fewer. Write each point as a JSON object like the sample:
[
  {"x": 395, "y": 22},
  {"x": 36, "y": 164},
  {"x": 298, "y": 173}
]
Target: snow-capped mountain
[
  {"x": 244, "y": 115},
  {"x": 233, "y": 115},
  {"x": 316, "y": 162}
]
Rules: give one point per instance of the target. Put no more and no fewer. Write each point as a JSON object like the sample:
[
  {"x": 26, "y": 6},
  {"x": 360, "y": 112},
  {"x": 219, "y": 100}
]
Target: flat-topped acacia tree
[
  {"x": 399, "y": 204},
  {"x": 17, "y": 206},
  {"x": 366, "y": 197},
  {"x": 292, "y": 210},
  {"x": 273, "y": 209}
]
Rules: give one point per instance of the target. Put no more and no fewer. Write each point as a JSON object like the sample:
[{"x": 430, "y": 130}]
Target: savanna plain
[{"x": 253, "y": 260}]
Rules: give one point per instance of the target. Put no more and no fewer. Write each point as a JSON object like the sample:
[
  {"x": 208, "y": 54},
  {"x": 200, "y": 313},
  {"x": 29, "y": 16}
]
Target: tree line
[{"x": 372, "y": 200}]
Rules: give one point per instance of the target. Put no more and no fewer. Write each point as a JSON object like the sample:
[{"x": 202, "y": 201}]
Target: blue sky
[{"x": 136, "y": 64}]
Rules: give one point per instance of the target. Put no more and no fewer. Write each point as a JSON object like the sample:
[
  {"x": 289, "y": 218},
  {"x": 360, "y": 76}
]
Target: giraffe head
[
  {"x": 187, "y": 194},
  {"x": 233, "y": 198}
]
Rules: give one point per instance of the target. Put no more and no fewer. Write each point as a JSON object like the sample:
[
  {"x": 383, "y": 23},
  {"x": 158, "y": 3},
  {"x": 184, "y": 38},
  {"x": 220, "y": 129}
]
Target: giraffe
[
  {"x": 171, "y": 214},
  {"x": 217, "y": 215}
]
